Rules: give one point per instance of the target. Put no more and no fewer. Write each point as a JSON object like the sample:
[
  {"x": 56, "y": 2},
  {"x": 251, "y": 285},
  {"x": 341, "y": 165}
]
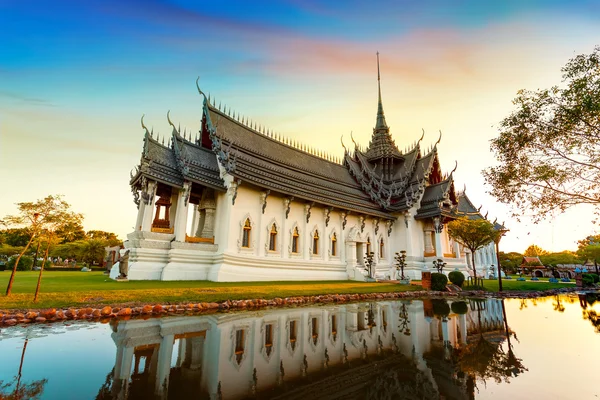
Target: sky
[{"x": 76, "y": 76}]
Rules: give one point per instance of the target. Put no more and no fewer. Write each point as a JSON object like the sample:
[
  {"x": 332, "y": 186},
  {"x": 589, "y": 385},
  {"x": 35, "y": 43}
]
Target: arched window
[
  {"x": 295, "y": 238},
  {"x": 246, "y": 234},
  {"x": 334, "y": 245},
  {"x": 368, "y": 245},
  {"x": 381, "y": 248},
  {"x": 273, "y": 238},
  {"x": 316, "y": 242}
]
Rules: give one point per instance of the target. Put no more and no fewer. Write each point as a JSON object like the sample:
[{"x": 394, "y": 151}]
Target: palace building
[{"x": 241, "y": 203}]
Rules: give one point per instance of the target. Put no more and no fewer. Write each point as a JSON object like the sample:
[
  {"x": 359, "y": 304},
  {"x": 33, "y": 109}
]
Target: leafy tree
[
  {"x": 548, "y": 147},
  {"x": 510, "y": 262},
  {"x": 563, "y": 257},
  {"x": 33, "y": 217},
  {"x": 71, "y": 232},
  {"x": 8, "y": 250},
  {"x": 589, "y": 249},
  {"x": 92, "y": 251},
  {"x": 17, "y": 237},
  {"x": 534, "y": 251},
  {"x": 63, "y": 216},
  {"x": 473, "y": 234},
  {"x": 110, "y": 238}
]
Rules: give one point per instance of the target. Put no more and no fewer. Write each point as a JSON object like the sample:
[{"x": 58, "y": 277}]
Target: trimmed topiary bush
[
  {"x": 587, "y": 279},
  {"x": 457, "y": 278},
  {"x": 25, "y": 263},
  {"x": 438, "y": 282},
  {"x": 459, "y": 307},
  {"x": 440, "y": 307}
]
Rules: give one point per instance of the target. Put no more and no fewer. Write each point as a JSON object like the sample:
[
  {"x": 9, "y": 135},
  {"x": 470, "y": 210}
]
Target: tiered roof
[{"x": 379, "y": 181}]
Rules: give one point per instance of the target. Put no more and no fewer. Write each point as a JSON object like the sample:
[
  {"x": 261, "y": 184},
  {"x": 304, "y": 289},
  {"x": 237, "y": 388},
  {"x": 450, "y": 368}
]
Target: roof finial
[
  {"x": 169, "y": 119},
  {"x": 144, "y": 126},
  {"x": 380, "y": 125}
]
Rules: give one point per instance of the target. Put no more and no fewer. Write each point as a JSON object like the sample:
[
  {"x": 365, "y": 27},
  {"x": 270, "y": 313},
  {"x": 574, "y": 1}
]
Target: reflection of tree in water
[
  {"x": 25, "y": 391},
  {"x": 558, "y": 306},
  {"x": 484, "y": 358},
  {"x": 590, "y": 314},
  {"x": 397, "y": 384}
]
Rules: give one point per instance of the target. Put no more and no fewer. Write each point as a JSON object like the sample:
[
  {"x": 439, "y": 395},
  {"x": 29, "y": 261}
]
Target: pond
[{"x": 431, "y": 349}]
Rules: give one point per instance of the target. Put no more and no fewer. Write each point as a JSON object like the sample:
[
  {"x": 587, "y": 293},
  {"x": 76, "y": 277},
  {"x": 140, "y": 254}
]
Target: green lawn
[
  {"x": 63, "y": 289},
  {"x": 513, "y": 284}
]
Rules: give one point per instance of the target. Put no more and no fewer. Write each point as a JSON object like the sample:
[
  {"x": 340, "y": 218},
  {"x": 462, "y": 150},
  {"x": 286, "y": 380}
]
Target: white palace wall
[{"x": 169, "y": 256}]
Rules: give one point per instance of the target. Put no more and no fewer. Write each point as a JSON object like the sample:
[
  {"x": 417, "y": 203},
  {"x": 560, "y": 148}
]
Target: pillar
[
  {"x": 195, "y": 220},
  {"x": 284, "y": 236},
  {"x": 164, "y": 363},
  {"x": 438, "y": 228},
  {"x": 149, "y": 198},
  {"x": 209, "y": 208},
  {"x": 462, "y": 324},
  {"x": 182, "y": 212},
  {"x": 427, "y": 241}
]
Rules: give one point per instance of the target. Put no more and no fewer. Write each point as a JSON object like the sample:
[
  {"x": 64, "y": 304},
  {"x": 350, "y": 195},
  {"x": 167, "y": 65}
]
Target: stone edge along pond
[{"x": 104, "y": 314}]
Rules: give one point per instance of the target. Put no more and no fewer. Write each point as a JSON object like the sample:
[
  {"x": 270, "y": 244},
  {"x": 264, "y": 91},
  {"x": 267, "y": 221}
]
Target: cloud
[{"x": 36, "y": 101}]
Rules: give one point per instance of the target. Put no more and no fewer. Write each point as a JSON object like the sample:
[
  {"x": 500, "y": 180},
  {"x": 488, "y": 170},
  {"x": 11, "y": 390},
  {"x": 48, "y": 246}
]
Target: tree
[
  {"x": 92, "y": 250},
  {"x": 510, "y": 262},
  {"x": 548, "y": 147},
  {"x": 589, "y": 249},
  {"x": 473, "y": 234},
  {"x": 17, "y": 237},
  {"x": 71, "y": 232},
  {"x": 61, "y": 217},
  {"x": 110, "y": 238},
  {"x": 33, "y": 217},
  {"x": 534, "y": 251}
]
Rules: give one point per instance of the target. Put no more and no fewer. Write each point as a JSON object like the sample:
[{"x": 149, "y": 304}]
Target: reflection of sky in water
[
  {"x": 75, "y": 362},
  {"x": 559, "y": 349}
]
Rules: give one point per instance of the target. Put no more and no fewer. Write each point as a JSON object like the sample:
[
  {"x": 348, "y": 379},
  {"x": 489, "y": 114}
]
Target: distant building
[{"x": 241, "y": 203}]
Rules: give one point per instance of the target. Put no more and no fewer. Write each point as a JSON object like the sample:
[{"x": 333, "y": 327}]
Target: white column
[
  {"x": 428, "y": 245},
  {"x": 341, "y": 239},
  {"x": 462, "y": 324},
  {"x": 306, "y": 234},
  {"x": 259, "y": 228},
  {"x": 285, "y": 236},
  {"x": 164, "y": 363},
  {"x": 326, "y": 245},
  {"x": 438, "y": 228},
  {"x": 124, "y": 361},
  {"x": 140, "y": 214},
  {"x": 182, "y": 212},
  {"x": 195, "y": 220},
  {"x": 146, "y": 222}
]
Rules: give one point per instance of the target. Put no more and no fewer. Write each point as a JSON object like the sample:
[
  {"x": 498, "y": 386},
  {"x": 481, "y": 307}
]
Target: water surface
[{"x": 432, "y": 349}]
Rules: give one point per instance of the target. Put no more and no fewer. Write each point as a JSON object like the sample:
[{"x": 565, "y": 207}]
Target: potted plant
[{"x": 400, "y": 265}]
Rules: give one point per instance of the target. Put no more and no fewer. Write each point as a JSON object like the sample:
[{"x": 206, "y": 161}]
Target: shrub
[
  {"x": 25, "y": 263},
  {"x": 440, "y": 307},
  {"x": 459, "y": 307},
  {"x": 587, "y": 279},
  {"x": 457, "y": 278},
  {"x": 565, "y": 280},
  {"x": 438, "y": 281},
  {"x": 553, "y": 280},
  {"x": 595, "y": 277}
]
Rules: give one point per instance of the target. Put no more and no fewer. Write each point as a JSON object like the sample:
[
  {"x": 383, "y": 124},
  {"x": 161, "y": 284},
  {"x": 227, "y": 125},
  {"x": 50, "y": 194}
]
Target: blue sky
[{"x": 75, "y": 77}]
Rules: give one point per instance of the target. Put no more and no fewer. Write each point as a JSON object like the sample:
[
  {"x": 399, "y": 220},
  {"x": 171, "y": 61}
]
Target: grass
[
  {"x": 76, "y": 289},
  {"x": 65, "y": 289},
  {"x": 513, "y": 284}
]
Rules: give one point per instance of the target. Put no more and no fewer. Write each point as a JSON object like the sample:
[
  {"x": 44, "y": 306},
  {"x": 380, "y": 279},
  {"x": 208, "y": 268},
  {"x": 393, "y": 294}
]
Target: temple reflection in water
[{"x": 367, "y": 350}]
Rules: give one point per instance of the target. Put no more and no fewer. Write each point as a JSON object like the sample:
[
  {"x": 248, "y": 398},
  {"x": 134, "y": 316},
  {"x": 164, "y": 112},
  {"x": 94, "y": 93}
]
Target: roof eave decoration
[{"x": 224, "y": 155}]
